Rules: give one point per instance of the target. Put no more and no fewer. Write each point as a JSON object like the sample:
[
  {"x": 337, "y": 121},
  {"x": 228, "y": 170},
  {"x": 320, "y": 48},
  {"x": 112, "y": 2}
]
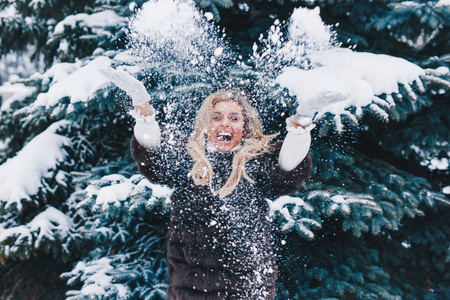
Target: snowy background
[{"x": 377, "y": 86}]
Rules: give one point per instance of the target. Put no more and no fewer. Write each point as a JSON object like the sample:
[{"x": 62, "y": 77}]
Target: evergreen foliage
[
  {"x": 370, "y": 223},
  {"x": 392, "y": 26}
]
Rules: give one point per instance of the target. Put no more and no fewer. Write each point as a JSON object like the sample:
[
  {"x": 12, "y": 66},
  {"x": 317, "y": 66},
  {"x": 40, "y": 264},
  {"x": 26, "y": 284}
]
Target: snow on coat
[{"x": 219, "y": 248}]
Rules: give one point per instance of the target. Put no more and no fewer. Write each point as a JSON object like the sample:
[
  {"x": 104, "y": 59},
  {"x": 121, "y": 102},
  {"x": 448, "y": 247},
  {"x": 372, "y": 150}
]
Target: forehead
[{"x": 227, "y": 107}]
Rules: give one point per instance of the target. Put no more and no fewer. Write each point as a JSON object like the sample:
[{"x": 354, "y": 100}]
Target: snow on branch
[
  {"x": 78, "y": 86},
  {"x": 51, "y": 225},
  {"x": 114, "y": 191},
  {"x": 14, "y": 91},
  {"x": 58, "y": 72},
  {"x": 345, "y": 202},
  {"x": 139, "y": 263},
  {"x": 21, "y": 176},
  {"x": 356, "y": 79},
  {"x": 97, "y": 277},
  {"x": 96, "y": 21},
  {"x": 362, "y": 213},
  {"x": 290, "y": 210},
  {"x": 432, "y": 75},
  {"x": 430, "y": 198}
]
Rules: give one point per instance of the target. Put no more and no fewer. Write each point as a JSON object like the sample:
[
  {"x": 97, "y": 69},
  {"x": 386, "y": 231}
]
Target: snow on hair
[{"x": 254, "y": 143}]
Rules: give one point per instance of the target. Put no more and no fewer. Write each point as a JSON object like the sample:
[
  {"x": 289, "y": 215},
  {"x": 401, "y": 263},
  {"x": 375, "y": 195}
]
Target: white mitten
[
  {"x": 298, "y": 124},
  {"x": 133, "y": 87},
  {"x": 296, "y": 143},
  {"x": 146, "y": 129}
]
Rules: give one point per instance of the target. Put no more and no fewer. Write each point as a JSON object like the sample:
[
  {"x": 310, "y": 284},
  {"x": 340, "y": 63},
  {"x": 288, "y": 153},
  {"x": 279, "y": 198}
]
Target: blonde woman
[{"x": 219, "y": 243}]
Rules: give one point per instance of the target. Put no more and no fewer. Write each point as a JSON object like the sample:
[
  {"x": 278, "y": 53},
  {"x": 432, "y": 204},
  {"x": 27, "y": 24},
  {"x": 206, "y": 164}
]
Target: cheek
[
  {"x": 240, "y": 130},
  {"x": 211, "y": 133},
  {"x": 212, "y": 129}
]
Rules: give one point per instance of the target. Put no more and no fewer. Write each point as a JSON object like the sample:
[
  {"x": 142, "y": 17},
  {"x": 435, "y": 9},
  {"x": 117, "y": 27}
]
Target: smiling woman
[
  {"x": 220, "y": 244},
  {"x": 231, "y": 124}
]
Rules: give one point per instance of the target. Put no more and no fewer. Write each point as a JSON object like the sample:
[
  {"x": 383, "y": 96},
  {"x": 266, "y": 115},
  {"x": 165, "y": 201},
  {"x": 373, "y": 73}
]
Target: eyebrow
[{"x": 233, "y": 113}]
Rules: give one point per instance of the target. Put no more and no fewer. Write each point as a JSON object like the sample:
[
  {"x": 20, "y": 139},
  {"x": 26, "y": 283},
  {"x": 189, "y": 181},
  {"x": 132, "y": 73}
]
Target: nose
[{"x": 224, "y": 123}]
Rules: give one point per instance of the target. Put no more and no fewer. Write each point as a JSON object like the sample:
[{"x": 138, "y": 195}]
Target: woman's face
[{"x": 226, "y": 127}]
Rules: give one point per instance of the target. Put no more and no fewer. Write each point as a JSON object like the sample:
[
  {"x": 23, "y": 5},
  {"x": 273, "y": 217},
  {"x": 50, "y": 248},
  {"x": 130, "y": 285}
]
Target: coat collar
[{"x": 212, "y": 149}]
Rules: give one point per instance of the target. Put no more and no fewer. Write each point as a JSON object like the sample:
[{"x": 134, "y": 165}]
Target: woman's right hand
[{"x": 144, "y": 109}]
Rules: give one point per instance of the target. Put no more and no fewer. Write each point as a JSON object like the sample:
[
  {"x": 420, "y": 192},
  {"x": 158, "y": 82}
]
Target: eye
[
  {"x": 216, "y": 118},
  {"x": 235, "y": 119}
]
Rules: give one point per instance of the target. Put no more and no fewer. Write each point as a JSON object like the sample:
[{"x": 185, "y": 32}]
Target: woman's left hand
[{"x": 304, "y": 122}]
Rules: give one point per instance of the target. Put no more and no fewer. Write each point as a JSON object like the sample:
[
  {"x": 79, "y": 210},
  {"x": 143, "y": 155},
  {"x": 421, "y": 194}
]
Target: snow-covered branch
[
  {"x": 21, "y": 176},
  {"x": 114, "y": 191},
  {"x": 97, "y": 277},
  {"x": 291, "y": 211},
  {"x": 48, "y": 227}
]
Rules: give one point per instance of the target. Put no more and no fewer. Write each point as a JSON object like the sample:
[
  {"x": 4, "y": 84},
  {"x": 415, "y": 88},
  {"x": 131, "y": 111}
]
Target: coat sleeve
[
  {"x": 155, "y": 151},
  {"x": 148, "y": 160},
  {"x": 281, "y": 182},
  {"x": 161, "y": 164}
]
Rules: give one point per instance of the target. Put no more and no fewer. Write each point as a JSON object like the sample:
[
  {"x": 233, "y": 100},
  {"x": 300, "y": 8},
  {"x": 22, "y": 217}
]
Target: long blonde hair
[{"x": 255, "y": 142}]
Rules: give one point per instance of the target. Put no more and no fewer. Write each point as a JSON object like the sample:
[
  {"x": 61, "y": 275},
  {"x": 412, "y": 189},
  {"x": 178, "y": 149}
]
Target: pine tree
[{"x": 77, "y": 220}]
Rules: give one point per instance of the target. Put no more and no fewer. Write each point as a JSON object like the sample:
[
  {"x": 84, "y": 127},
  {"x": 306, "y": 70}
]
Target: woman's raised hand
[
  {"x": 144, "y": 109},
  {"x": 305, "y": 123}
]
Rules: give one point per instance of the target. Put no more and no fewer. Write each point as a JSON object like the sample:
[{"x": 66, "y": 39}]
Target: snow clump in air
[
  {"x": 289, "y": 44},
  {"x": 307, "y": 28},
  {"x": 175, "y": 33}
]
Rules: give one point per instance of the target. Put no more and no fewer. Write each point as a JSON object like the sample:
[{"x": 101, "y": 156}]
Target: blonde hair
[{"x": 255, "y": 142}]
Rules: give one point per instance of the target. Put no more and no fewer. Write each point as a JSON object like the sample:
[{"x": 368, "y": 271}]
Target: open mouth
[{"x": 224, "y": 136}]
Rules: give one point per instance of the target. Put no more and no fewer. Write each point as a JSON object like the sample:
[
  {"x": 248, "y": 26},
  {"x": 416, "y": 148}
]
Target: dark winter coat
[{"x": 219, "y": 248}]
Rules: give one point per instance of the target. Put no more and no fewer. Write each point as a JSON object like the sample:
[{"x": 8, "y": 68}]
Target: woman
[{"x": 220, "y": 244}]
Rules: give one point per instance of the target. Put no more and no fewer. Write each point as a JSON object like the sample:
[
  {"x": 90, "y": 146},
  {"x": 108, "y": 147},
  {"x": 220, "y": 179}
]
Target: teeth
[{"x": 224, "y": 136}]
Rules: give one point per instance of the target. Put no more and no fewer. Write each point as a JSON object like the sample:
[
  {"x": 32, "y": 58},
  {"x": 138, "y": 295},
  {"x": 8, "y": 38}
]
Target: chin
[{"x": 224, "y": 149}]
